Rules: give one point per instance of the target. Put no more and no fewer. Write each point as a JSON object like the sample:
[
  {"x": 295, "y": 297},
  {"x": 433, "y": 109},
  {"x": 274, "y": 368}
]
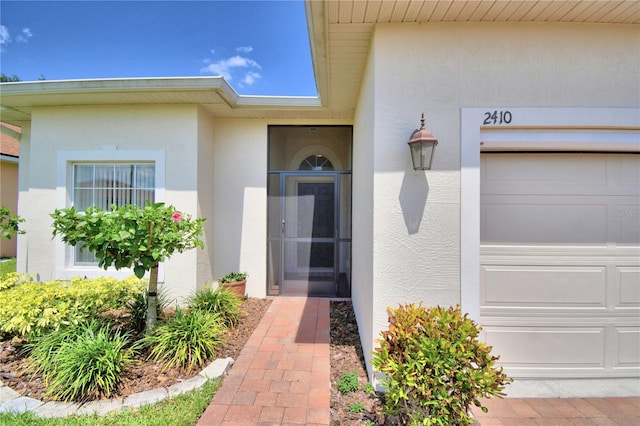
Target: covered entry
[{"x": 309, "y": 246}]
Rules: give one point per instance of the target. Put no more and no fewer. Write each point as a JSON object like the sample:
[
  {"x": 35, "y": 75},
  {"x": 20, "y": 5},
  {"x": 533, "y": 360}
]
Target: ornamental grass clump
[
  {"x": 435, "y": 367},
  {"x": 187, "y": 340},
  {"x": 221, "y": 301},
  {"x": 82, "y": 362}
]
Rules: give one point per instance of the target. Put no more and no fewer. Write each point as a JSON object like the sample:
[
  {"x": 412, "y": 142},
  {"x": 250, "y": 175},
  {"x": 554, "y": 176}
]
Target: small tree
[
  {"x": 131, "y": 237},
  {"x": 9, "y": 224}
]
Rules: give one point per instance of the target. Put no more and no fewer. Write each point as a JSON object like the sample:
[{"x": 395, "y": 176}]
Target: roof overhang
[
  {"x": 340, "y": 34},
  {"x": 212, "y": 93},
  {"x": 340, "y": 31}
]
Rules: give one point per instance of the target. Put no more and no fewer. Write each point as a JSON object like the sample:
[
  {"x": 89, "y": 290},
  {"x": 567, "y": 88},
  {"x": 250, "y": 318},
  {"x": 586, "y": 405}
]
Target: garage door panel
[
  {"x": 525, "y": 170},
  {"x": 548, "y": 221},
  {"x": 629, "y": 287},
  {"x": 629, "y": 172},
  {"x": 627, "y": 218},
  {"x": 560, "y": 174},
  {"x": 553, "y": 346},
  {"x": 628, "y": 342},
  {"x": 544, "y": 286}
]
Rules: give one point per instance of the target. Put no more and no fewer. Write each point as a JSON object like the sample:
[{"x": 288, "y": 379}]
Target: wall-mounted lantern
[{"x": 422, "y": 145}]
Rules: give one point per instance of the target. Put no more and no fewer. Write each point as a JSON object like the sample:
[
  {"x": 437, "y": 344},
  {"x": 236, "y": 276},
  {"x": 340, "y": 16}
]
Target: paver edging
[{"x": 12, "y": 402}]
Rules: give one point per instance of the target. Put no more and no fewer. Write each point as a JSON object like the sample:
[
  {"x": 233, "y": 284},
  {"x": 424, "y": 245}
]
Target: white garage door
[{"x": 560, "y": 263}]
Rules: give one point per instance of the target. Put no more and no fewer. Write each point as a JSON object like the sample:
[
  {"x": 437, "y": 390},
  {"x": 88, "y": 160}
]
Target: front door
[{"x": 309, "y": 234}]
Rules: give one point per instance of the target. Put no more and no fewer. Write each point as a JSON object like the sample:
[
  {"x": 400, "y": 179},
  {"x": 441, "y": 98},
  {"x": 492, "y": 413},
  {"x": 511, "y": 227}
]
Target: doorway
[{"x": 309, "y": 217}]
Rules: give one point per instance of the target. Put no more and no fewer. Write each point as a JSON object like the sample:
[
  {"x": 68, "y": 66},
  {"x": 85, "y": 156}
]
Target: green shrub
[
  {"x": 348, "y": 383},
  {"x": 186, "y": 340},
  {"x": 31, "y": 308},
  {"x": 136, "y": 307},
  {"x": 221, "y": 301},
  {"x": 83, "y": 362},
  {"x": 356, "y": 407},
  {"x": 12, "y": 278},
  {"x": 435, "y": 366}
]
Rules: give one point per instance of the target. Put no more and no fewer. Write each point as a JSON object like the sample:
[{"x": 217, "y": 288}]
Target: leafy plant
[
  {"x": 82, "y": 362},
  {"x": 369, "y": 389},
  {"x": 435, "y": 366},
  {"x": 9, "y": 223},
  {"x": 233, "y": 277},
  {"x": 356, "y": 407},
  {"x": 221, "y": 301},
  {"x": 31, "y": 308},
  {"x": 42, "y": 349},
  {"x": 137, "y": 309},
  {"x": 186, "y": 340},
  {"x": 349, "y": 383},
  {"x": 131, "y": 237}
]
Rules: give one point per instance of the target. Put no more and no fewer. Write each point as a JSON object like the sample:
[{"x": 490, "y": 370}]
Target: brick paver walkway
[
  {"x": 282, "y": 377},
  {"x": 560, "y": 411},
  {"x": 282, "y": 374}
]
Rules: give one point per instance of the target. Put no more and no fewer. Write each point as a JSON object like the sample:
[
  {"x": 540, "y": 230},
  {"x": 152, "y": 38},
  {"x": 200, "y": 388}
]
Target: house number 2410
[{"x": 497, "y": 117}]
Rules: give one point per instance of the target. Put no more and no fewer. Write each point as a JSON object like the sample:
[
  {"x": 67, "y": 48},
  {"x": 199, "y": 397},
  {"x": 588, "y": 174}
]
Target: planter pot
[{"x": 238, "y": 287}]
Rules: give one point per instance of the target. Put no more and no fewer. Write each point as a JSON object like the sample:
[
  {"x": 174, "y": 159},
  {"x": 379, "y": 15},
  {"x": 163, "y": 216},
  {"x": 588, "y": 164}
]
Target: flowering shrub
[{"x": 131, "y": 237}]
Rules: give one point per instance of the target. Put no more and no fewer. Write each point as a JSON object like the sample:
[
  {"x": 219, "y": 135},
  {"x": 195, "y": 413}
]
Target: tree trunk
[{"x": 152, "y": 300}]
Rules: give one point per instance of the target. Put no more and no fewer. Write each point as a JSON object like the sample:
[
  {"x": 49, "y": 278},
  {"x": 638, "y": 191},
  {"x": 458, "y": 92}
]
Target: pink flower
[{"x": 176, "y": 217}]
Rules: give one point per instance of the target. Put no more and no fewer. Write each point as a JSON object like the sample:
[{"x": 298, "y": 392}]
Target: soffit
[{"x": 341, "y": 30}]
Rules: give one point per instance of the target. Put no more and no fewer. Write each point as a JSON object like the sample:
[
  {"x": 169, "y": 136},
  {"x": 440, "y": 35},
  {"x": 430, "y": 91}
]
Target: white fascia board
[
  {"x": 9, "y": 159},
  {"x": 114, "y": 85},
  {"x": 155, "y": 84}
]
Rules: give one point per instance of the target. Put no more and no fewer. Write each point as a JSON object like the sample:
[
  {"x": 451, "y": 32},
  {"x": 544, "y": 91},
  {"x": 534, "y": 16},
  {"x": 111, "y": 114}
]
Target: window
[
  {"x": 104, "y": 185},
  {"x": 316, "y": 162}
]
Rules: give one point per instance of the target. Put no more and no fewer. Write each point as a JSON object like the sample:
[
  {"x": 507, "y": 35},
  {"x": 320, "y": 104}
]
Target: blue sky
[{"x": 261, "y": 47}]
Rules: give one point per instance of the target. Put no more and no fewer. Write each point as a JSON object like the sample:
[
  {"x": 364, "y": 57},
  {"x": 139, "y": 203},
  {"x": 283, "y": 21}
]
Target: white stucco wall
[
  {"x": 206, "y": 132},
  {"x": 240, "y": 201},
  {"x": 362, "y": 277},
  {"x": 439, "y": 69},
  {"x": 108, "y": 132}
]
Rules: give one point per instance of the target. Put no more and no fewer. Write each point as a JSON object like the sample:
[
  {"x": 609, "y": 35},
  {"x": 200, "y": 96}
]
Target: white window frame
[
  {"x": 595, "y": 129},
  {"x": 65, "y": 267}
]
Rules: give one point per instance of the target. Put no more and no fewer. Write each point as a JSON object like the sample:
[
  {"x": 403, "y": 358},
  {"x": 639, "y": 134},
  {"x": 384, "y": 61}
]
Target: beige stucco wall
[
  {"x": 8, "y": 199},
  {"x": 439, "y": 69},
  {"x": 101, "y": 131}
]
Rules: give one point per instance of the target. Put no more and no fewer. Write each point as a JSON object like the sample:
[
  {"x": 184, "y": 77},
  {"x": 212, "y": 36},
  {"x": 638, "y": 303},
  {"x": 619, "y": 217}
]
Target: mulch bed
[{"x": 143, "y": 376}]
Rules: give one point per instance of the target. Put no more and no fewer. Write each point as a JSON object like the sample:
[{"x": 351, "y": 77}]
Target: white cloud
[
  {"x": 233, "y": 65},
  {"x": 244, "y": 49},
  {"x": 24, "y": 36},
  {"x": 250, "y": 78},
  {"x": 5, "y": 38}
]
